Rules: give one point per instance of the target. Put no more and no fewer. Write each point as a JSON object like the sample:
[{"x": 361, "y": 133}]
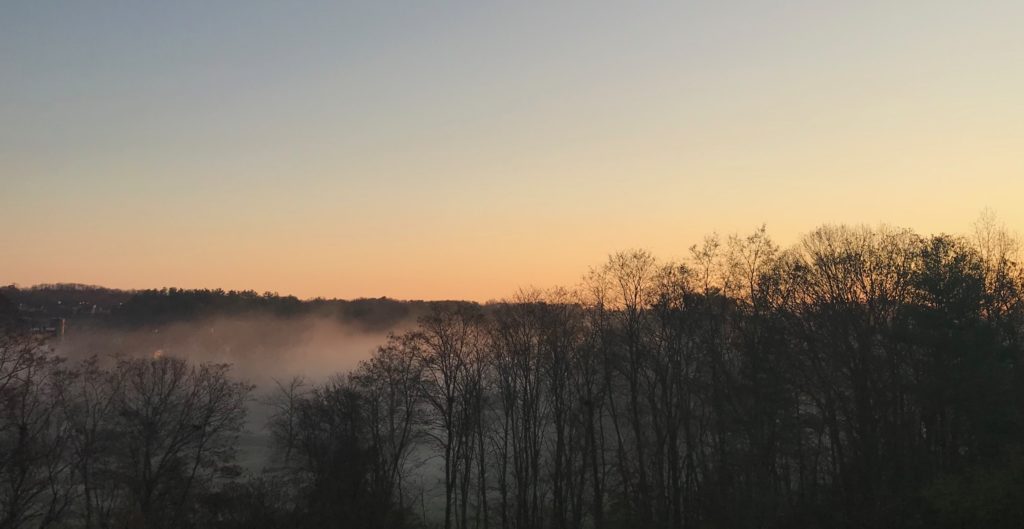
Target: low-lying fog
[{"x": 260, "y": 349}]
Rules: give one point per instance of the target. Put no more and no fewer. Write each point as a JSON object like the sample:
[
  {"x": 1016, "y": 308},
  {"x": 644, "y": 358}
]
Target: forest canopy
[{"x": 863, "y": 377}]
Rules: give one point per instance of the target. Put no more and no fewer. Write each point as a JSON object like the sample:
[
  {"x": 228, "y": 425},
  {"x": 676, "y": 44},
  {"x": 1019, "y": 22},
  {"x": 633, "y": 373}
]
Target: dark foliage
[{"x": 862, "y": 378}]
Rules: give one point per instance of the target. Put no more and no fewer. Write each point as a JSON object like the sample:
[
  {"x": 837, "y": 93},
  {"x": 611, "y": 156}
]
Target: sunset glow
[{"x": 461, "y": 151}]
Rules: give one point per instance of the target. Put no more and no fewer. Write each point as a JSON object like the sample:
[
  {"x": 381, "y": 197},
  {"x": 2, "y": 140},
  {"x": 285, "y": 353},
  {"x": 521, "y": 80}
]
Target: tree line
[
  {"x": 860, "y": 378},
  {"x": 89, "y": 306}
]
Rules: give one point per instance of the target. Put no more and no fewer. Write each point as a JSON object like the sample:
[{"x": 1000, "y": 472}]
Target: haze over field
[{"x": 260, "y": 348}]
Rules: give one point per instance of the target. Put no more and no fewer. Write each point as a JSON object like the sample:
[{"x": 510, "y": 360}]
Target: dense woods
[{"x": 861, "y": 378}]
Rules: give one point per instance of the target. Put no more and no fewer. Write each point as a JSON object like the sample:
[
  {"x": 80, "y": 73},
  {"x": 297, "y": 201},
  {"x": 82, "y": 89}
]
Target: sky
[{"x": 440, "y": 150}]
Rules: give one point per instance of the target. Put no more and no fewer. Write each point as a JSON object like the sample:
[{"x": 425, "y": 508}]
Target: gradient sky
[{"x": 465, "y": 149}]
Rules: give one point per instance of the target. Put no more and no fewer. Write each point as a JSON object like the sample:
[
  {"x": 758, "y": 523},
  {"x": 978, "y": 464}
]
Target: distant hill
[
  {"x": 95, "y": 305},
  {"x": 8, "y": 312},
  {"x": 63, "y": 300}
]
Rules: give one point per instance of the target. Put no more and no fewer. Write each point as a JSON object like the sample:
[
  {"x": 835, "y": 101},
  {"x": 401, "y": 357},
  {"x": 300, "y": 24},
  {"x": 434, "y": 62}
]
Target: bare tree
[
  {"x": 35, "y": 481},
  {"x": 390, "y": 384},
  {"x": 284, "y": 401},
  {"x": 179, "y": 424},
  {"x": 450, "y": 354}
]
